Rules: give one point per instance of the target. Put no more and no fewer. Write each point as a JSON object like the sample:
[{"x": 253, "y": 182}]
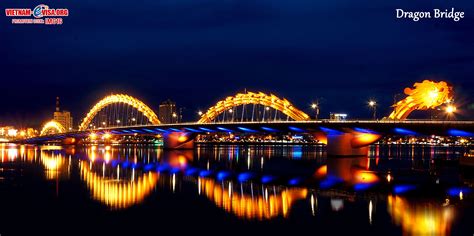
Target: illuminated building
[
  {"x": 167, "y": 112},
  {"x": 337, "y": 116},
  {"x": 62, "y": 117}
]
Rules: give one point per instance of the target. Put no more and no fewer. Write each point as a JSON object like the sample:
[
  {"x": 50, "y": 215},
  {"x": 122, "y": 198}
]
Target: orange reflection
[
  {"x": 118, "y": 194},
  {"x": 244, "y": 206},
  {"x": 53, "y": 162},
  {"x": 420, "y": 219}
]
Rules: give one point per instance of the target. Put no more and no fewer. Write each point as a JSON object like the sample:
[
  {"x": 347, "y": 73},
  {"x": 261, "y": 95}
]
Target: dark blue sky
[{"x": 196, "y": 52}]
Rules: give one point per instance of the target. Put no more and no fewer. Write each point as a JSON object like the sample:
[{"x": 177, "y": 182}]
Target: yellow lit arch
[
  {"x": 52, "y": 127},
  {"x": 118, "y": 194},
  {"x": 119, "y": 98},
  {"x": 425, "y": 95},
  {"x": 260, "y": 98}
]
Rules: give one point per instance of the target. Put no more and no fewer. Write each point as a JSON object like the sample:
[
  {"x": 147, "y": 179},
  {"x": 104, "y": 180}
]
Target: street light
[
  {"x": 200, "y": 113},
  {"x": 315, "y": 107},
  {"x": 450, "y": 109},
  {"x": 174, "y": 117},
  {"x": 373, "y": 106}
]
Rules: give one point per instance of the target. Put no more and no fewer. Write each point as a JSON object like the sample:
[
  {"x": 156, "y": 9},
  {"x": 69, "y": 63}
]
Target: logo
[
  {"x": 42, "y": 15},
  {"x": 38, "y": 11}
]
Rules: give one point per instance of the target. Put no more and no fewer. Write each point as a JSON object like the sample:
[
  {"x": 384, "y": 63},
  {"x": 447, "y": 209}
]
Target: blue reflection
[
  {"x": 296, "y": 129},
  {"x": 456, "y": 132},
  {"x": 362, "y": 186},
  {"x": 246, "y": 176},
  {"x": 269, "y": 129},
  {"x": 224, "y": 129},
  {"x": 206, "y": 129},
  {"x": 268, "y": 179},
  {"x": 148, "y": 167},
  {"x": 295, "y": 181},
  {"x": 222, "y": 175},
  {"x": 191, "y": 171},
  {"x": 331, "y": 131},
  {"x": 192, "y": 130},
  {"x": 367, "y": 131},
  {"x": 205, "y": 173},
  {"x": 455, "y": 191},
  {"x": 399, "y": 189},
  {"x": 404, "y": 131},
  {"x": 330, "y": 181},
  {"x": 246, "y": 129}
]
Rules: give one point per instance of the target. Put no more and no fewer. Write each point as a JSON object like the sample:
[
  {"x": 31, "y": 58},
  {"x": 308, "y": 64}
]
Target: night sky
[{"x": 199, "y": 51}]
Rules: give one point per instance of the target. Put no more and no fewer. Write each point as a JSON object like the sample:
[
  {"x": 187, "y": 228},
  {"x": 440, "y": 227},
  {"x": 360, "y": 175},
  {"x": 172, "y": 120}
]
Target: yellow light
[
  {"x": 260, "y": 98},
  {"x": 106, "y": 136},
  {"x": 182, "y": 138},
  {"x": 425, "y": 95},
  {"x": 119, "y": 98},
  {"x": 314, "y": 106},
  {"x": 93, "y": 136},
  {"x": 450, "y": 109},
  {"x": 52, "y": 127},
  {"x": 389, "y": 178}
]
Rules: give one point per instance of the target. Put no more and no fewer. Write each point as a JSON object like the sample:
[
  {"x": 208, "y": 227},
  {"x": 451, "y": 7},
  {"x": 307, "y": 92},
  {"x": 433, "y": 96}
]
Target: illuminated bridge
[{"x": 248, "y": 112}]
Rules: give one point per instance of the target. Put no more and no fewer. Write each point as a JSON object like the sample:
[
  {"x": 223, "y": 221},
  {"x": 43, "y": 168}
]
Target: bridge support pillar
[
  {"x": 178, "y": 140},
  {"x": 349, "y": 144}
]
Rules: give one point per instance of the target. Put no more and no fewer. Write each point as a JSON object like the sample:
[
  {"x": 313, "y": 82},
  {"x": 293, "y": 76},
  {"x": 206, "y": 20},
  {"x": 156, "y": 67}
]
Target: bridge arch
[
  {"x": 119, "y": 99},
  {"x": 52, "y": 127},
  {"x": 260, "y": 98}
]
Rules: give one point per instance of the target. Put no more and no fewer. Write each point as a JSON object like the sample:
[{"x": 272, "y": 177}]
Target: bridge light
[
  {"x": 133, "y": 119},
  {"x": 174, "y": 114},
  {"x": 92, "y": 136},
  {"x": 267, "y": 108},
  {"x": 230, "y": 110},
  {"x": 103, "y": 123},
  {"x": 106, "y": 136},
  {"x": 450, "y": 109},
  {"x": 118, "y": 121}
]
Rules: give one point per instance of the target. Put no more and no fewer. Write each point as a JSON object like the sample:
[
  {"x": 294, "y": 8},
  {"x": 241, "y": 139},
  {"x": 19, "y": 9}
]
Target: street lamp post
[
  {"x": 315, "y": 107},
  {"x": 373, "y": 106}
]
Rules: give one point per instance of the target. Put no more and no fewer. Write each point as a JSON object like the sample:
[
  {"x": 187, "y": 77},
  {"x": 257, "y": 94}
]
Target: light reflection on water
[{"x": 234, "y": 179}]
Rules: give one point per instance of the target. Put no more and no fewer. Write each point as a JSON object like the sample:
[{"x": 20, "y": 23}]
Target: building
[
  {"x": 337, "y": 116},
  {"x": 63, "y": 117},
  {"x": 167, "y": 112}
]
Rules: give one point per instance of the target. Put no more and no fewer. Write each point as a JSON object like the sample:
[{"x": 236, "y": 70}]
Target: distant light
[
  {"x": 230, "y": 110},
  {"x": 118, "y": 121},
  {"x": 450, "y": 109},
  {"x": 314, "y": 106},
  {"x": 372, "y": 103},
  {"x": 200, "y": 113}
]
